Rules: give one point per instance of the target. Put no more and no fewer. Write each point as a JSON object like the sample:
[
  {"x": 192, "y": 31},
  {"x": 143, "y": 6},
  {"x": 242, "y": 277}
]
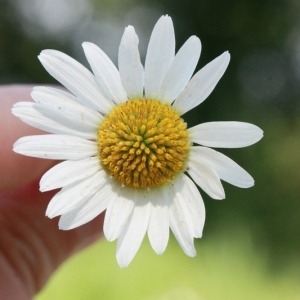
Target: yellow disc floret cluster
[{"x": 143, "y": 143}]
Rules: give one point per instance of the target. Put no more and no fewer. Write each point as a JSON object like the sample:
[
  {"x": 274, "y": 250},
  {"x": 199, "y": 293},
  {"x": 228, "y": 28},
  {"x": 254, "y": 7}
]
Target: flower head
[{"x": 126, "y": 148}]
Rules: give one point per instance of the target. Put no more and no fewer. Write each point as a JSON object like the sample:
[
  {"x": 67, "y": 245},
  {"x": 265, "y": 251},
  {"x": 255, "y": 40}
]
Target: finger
[
  {"x": 16, "y": 170},
  {"x": 31, "y": 245}
]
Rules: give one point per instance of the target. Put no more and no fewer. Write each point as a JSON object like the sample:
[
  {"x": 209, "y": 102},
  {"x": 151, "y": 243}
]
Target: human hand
[{"x": 31, "y": 245}]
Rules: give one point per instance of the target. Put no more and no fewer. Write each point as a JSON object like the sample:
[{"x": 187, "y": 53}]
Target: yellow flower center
[{"x": 143, "y": 143}]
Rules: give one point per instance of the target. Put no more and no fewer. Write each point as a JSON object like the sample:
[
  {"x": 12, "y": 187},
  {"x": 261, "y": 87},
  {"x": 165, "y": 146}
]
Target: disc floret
[{"x": 143, "y": 143}]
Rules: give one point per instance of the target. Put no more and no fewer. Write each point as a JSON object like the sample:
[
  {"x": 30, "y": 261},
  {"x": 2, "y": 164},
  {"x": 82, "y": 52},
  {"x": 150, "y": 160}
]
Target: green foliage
[{"x": 226, "y": 267}]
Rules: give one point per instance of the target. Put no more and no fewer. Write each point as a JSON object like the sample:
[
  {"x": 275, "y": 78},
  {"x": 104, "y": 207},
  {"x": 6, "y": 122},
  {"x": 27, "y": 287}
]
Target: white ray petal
[
  {"x": 70, "y": 118},
  {"x": 181, "y": 70},
  {"x": 117, "y": 213},
  {"x": 202, "y": 84},
  {"x": 160, "y": 54},
  {"x": 68, "y": 172},
  {"x": 26, "y": 112},
  {"x": 76, "y": 78},
  {"x": 206, "y": 178},
  {"x": 193, "y": 200},
  {"x": 158, "y": 229},
  {"x": 108, "y": 77},
  {"x": 134, "y": 231},
  {"x": 225, "y": 134},
  {"x": 75, "y": 194},
  {"x": 130, "y": 66},
  {"x": 227, "y": 169},
  {"x": 88, "y": 210},
  {"x": 56, "y": 146},
  {"x": 180, "y": 222},
  {"x": 68, "y": 104},
  {"x": 44, "y": 94}
]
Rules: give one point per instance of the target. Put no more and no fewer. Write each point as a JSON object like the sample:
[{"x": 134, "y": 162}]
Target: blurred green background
[{"x": 250, "y": 248}]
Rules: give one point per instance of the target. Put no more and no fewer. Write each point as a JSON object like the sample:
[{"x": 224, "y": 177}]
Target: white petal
[
  {"x": 226, "y": 168},
  {"x": 134, "y": 231},
  {"x": 117, "y": 213},
  {"x": 180, "y": 222},
  {"x": 158, "y": 229},
  {"x": 76, "y": 78},
  {"x": 68, "y": 172},
  {"x": 89, "y": 210},
  {"x": 108, "y": 77},
  {"x": 29, "y": 115},
  {"x": 193, "y": 200},
  {"x": 181, "y": 70},
  {"x": 202, "y": 84},
  {"x": 55, "y": 147},
  {"x": 68, "y": 104},
  {"x": 70, "y": 118},
  {"x": 225, "y": 134},
  {"x": 130, "y": 66},
  {"x": 206, "y": 178},
  {"x": 160, "y": 54},
  {"x": 75, "y": 194}
]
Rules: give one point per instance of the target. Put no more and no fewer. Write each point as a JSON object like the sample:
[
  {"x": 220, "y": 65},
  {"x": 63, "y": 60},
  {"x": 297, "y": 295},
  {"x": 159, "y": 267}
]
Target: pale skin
[{"x": 31, "y": 245}]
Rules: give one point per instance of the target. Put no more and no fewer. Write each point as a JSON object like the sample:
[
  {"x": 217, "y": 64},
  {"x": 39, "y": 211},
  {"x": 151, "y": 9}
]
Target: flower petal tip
[
  {"x": 123, "y": 263},
  {"x": 129, "y": 27},
  {"x": 227, "y": 56},
  {"x": 160, "y": 251},
  {"x": 45, "y": 53},
  {"x": 44, "y": 188},
  {"x": 65, "y": 227},
  {"x": 166, "y": 19},
  {"x": 191, "y": 253},
  {"x": 48, "y": 215},
  {"x": 16, "y": 148},
  {"x": 219, "y": 196},
  {"x": 249, "y": 184},
  {"x": 258, "y": 132},
  {"x": 60, "y": 227},
  {"x": 87, "y": 45}
]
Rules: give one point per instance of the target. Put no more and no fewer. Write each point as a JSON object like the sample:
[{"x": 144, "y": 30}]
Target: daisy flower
[{"x": 126, "y": 148}]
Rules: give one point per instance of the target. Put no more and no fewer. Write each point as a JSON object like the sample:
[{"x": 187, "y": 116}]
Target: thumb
[{"x": 31, "y": 245}]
